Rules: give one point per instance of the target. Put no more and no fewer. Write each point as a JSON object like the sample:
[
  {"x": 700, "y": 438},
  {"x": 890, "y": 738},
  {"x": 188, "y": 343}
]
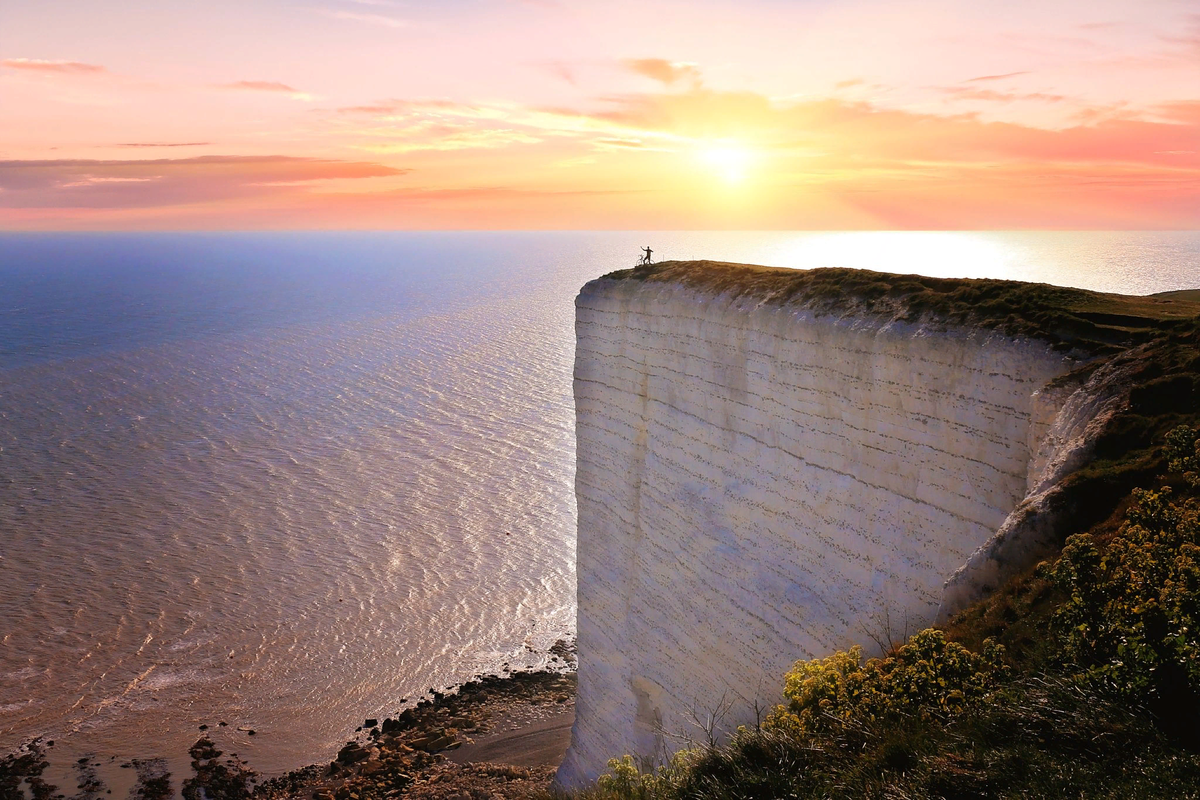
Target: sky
[{"x": 623, "y": 114}]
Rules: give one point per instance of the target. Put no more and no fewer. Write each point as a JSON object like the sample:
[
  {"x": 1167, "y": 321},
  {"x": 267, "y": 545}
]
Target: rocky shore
[
  {"x": 425, "y": 752},
  {"x": 494, "y": 737}
]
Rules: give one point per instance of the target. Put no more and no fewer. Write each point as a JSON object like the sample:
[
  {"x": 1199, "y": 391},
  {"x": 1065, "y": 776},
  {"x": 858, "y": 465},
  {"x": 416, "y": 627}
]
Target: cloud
[
  {"x": 635, "y": 144},
  {"x": 666, "y": 72},
  {"x": 163, "y": 144},
  {"x": 695, "y": 114},
  {"x": 394, "y": 107},
  {"x": 829, "y": 162},
  {"x": 268, "y": 86},
  {"x": 848, "y": 138},
  {"x": 42, "y": 65},
  {"x": 1006, "y": 75},
  {"x": 261, "y": 86},
  {"x": 856, "y": 144},
  {"x": 561, "y": 70},
  {"x": 446, "y": 137},
  {"x": 88, "y": 183},
  {"x": 403, "y": 126},
  {"x": 1189, "y": 39},
  {"x": 990, "y": 95},
  {"x": 849, "y": 83},
  {"x": 439, "y": 124},
  {"x": 371, "y": 19}
]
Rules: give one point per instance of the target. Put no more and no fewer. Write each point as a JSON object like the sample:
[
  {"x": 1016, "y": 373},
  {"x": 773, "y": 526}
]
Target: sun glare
[{"x": 730, "y": 161}]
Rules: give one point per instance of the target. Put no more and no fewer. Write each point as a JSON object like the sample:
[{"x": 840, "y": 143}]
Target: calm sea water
[{"x": 284, "y": 480}]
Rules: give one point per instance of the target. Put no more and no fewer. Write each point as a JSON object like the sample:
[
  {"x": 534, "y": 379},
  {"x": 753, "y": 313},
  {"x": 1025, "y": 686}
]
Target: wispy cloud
[
  {"x": 43, "y": 65},
  {"x": 443, "y": 138},
  {"x": 89, "y": 183},
  {"x": 163, "y": 144},
  {"x": 413, "y": 125},
  {"x": 261, "y": 86},
  {"x": 561, "y": 70},
  {"x": 990, "y": 95},
  {"x": 268, "y": 86},
  {"x": 404, "y": 126},
  {"x": 1189, "y": 38},
  {"x": 1004, "y": 76},
  {"x": 370, "y": 19}
]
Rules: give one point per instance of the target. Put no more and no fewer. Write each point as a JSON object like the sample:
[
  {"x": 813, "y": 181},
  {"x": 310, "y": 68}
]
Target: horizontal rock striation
[{"x": 764, "y": 479}]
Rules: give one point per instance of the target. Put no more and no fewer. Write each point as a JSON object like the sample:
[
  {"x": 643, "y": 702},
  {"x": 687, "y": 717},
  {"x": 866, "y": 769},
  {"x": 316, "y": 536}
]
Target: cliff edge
[{"x": 776, "y": 464}]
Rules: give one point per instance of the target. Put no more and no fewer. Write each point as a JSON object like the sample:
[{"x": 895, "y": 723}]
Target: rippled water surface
[{"x": 284, "y": 480}]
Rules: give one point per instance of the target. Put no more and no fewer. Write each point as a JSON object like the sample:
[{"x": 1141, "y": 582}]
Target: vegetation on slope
[{"x": 1104, "y": 706}]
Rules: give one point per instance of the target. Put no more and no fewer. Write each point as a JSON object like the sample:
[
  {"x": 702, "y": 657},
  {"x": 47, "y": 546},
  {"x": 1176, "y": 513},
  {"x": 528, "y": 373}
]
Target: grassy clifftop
[{"x": 1093, "y": 322}]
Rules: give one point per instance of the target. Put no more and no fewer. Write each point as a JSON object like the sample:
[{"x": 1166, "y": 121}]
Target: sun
[{"x": 730, "y": 161}]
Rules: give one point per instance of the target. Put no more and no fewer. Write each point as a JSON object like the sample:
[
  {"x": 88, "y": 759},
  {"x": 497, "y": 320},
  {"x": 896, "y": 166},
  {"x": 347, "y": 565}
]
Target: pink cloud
[
  {"x": 388, "y": 107},
  {"x": 371, "y": 19},
  {"x": 261, "y": 86},
  {"x": 163, "y": 144},
  {"x": 88, "y": 183},
  {"x": 43, "y": 65},
  {"x": 861, "y": 132},
  {"x": 666, "y": 72},
  {"x": 973, "y": 93},
  {"x": 561, "y": 70},
  {"x": 1006, "y": 75}
]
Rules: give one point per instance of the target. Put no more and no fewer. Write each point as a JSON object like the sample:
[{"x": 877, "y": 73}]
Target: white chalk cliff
[{"x": 763, "y": 481}]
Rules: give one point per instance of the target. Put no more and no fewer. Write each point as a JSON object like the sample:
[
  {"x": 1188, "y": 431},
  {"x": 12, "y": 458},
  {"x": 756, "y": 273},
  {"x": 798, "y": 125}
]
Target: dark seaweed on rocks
[
  {"x": 25, "y": 767},
  {"x": 215, "y": 779}
]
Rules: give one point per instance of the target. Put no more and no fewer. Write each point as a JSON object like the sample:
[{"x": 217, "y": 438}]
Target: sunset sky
[{"x": 639, "y": 114}]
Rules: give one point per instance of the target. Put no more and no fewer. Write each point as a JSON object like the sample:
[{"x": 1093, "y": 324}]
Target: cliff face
[{"x": 760, "y": 481}]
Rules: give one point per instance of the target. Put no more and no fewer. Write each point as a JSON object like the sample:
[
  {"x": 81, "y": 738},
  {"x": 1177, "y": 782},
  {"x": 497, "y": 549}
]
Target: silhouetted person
[{"x": 646, "y": 258}]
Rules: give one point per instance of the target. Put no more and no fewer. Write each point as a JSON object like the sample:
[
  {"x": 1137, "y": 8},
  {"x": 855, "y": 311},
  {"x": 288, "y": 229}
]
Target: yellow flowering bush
[
  {"x": 1183, "y": 453},
  {"x": 927, "y": 675},
  {"x": 625, "y": 779},
  {"x": 1132, "y": 612}
]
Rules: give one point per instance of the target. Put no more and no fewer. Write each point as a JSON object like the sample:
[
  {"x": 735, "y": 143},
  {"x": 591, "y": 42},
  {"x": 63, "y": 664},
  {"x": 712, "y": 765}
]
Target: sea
[{"x": 286, "y": 481}]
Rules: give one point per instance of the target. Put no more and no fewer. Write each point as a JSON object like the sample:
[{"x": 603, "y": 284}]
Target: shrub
[
  {"x": 1183, "y": 454},
  {"x": 927, "y": 676},
  {"x": 1131, "y": 616},
  {"x": 624, "y": 779}
]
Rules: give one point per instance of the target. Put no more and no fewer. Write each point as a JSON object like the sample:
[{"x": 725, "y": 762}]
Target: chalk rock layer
[{"x": 758, "y": 483}]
